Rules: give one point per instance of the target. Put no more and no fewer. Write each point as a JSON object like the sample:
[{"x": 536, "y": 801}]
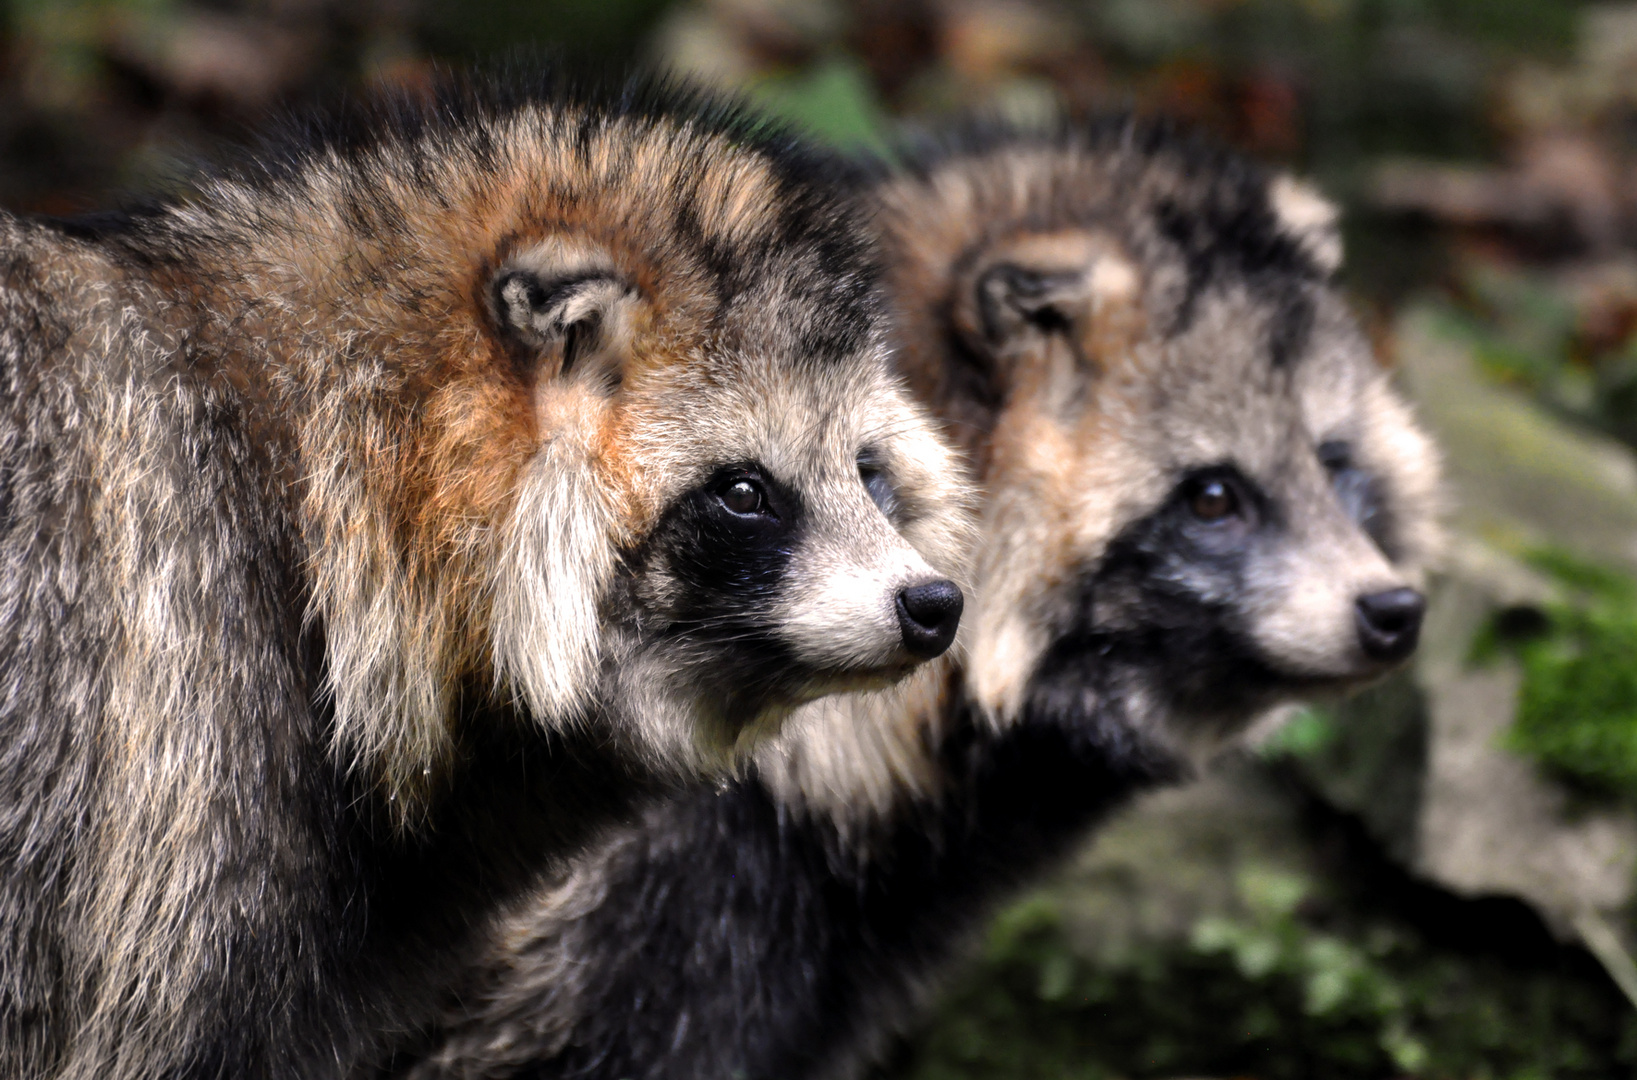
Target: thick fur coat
[
  {"x": 383, "y": 519},
  {"x": 1203, "y": 498}
]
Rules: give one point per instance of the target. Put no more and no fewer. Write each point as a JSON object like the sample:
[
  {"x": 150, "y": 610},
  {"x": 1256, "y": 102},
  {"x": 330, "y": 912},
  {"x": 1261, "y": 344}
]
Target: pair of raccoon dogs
[
  {"x": 391, "y": 515},
  {"x": 1203, "y": 498}
]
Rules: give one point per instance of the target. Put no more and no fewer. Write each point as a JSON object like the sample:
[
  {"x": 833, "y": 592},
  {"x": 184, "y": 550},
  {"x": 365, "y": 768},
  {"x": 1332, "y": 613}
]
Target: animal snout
[
  {"x": 1389, "y": 623},
  {"x": 929, "y": 615}
]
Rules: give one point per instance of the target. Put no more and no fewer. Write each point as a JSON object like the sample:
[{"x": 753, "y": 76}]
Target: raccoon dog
[
  {"x": 1203, "y": 499},
  {"x": 384, "y": 517}
]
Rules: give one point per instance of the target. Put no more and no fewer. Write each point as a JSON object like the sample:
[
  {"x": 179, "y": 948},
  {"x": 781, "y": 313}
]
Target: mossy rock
[{"x": 1285, "y": 946}]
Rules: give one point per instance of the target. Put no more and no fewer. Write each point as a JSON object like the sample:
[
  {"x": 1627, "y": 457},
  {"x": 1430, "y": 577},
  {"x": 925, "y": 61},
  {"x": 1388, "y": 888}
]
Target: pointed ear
[
  {"x": 571, "y": 316},
  {"x": 1077, "y": 285}
]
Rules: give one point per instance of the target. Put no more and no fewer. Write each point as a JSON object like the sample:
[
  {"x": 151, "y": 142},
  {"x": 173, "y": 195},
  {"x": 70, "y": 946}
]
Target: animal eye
[
  {"x": 1213, "y": 500},
  {"x": 744, "y": 497}
]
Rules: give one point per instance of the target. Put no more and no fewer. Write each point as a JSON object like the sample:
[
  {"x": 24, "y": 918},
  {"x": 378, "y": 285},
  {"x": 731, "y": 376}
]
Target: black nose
[
  {"x": 929, "y": 615},
  {"x": 1389, "y": 623}
]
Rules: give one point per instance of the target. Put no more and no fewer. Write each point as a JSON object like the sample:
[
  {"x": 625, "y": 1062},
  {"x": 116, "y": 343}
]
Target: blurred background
[{"x": 1433, "y": 881}]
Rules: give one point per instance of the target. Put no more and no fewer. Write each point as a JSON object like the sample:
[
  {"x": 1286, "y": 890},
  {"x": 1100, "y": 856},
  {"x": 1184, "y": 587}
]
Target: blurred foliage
[
  {"x": 1569, "y": 344},
  {"x": 1366, "y": 756},
  {"x": 1308, "y": 733},
  {"x": 1297, "y": 985},
  {"x": 831, "y": 101},
  {"x": 608, "y": 30},
  {"x": 100, "y": 98},
  {"x": 102, "y": 95},
  {"x": 1577, "y": 708},
  {"x": 1327, "y": 84}
]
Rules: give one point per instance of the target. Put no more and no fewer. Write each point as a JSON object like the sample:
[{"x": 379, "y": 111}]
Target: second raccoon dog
[
  {"x": 376, "y": 523},
  {"x": 1203, "y": 499}
]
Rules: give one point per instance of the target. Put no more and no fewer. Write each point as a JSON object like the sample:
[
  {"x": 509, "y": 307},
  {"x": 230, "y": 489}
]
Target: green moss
[
  {"x": 1273, "y": 992},
  {"x": 1305, "y": 735},
  {"x": 1577, "y": 707}
]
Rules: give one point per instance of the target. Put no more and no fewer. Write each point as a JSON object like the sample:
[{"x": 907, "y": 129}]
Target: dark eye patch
[
  {"x": 711, "y": 575},
  {"x": 727, "y": 544},
  {"x": 1167, "y": 598},
  {"x": 878, "y": 483},
  {"x": 1357, "y": 490}
]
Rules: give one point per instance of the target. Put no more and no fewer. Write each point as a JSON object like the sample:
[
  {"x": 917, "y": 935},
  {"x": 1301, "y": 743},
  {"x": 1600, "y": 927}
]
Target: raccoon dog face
[
  {"x": 772, "y": 495},
  {"x": 776, "y": 488},
  {"x": 1206, "y": 497}
]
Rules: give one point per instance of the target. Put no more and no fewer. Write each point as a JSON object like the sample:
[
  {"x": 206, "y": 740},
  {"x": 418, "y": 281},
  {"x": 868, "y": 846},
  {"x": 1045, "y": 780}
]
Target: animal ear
[
  {"x": 1010, "y": 299},
  {"x": 1080, "y": 286},
  {"x": 580, "y": 317},
  {"x": 1308, "y": 219}
]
